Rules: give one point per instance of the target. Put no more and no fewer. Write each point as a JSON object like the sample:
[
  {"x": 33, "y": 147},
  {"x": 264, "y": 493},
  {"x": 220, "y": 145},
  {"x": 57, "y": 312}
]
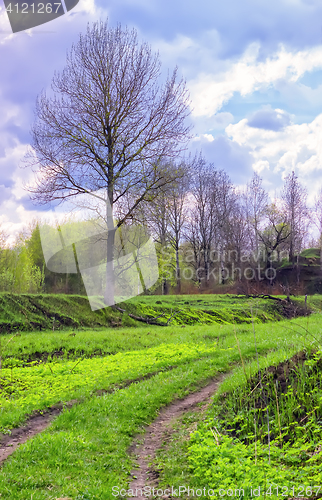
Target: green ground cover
[
  {"x": 25, "y": 390},
  {"x": 72, "y": 343},
  {"x": 29, "y": 347},
  {"x": 40, "y": 384},
  {"x": 84, "y": 453},
  {"x": 21, "y": 312},
  {"x": 30, "y": 312},
  {"x": 311, "y": 253},
  {"x": 264, "y": 428}
]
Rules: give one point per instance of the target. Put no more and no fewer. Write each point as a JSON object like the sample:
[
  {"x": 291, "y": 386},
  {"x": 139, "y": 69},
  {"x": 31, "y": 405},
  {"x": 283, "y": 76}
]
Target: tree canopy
[{"x": 108, "y": 128}]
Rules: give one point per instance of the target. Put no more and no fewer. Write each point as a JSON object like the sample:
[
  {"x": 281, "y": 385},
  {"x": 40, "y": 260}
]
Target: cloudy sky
[{"x": 253, "y": 69}]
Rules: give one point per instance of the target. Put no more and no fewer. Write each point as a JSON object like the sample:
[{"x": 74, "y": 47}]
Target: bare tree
[
  {"x": 237, "y": 237},
  {"x": 202, "y": 217},
  {"x": 224, "y": 205},
  {"x": 274, "y": 235},
  {"x": 108, "y": 128},
  {"x": 156, "y": 217},
  {"x": 166, "y": 216},
  {"x": 178, "y": 214},
  {"x": 255, "y": 201},
  {"x": 294, "y": 196},
  {"x": 209, "y": 221}
]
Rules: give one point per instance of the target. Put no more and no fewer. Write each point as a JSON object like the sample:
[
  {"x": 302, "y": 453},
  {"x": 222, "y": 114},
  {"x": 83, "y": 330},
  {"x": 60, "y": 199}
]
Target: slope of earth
[
  {"x": 267, "y": 423},
  {"x": 39, "y": 312},
  {"x": 305, "y": 274}
]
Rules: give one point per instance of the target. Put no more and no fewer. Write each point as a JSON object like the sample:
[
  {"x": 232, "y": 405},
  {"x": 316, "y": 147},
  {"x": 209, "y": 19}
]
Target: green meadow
[{"x": 263, "y": 425}]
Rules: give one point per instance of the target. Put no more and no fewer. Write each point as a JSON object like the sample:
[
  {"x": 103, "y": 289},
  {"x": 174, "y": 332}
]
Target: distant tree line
[
  {"x": 210, "y": 233},
  {"x": 207, "y": 233}
]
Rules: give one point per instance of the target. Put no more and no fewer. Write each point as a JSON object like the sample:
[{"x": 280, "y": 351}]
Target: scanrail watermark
[{"x": 121, "y": 259}]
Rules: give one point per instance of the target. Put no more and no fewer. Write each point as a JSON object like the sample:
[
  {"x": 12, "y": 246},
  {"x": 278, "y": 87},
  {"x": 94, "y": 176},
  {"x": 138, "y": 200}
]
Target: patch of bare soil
[
  {"x": 159, "y": 432},
  {"x": 41, "y": 420},
  {"x": 35, "y": 424}
]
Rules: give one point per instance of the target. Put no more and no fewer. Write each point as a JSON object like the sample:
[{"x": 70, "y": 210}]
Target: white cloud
[
  {"x": 203, "y": 138},
  {"x": 190, "y": 55},
  {"x": 296, "y": 147},
  {"x": 260, "y": 166},
  {"x": 210, "y": 91},
  {"x": 83, "y": 7}
]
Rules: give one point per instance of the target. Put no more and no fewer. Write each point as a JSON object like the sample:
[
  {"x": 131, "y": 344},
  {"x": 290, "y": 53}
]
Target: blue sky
[{"x": 253, "y": 69}]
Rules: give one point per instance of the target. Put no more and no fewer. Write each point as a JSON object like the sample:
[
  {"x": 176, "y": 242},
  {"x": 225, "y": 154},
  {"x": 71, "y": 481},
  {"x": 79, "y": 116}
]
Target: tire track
[{"x": 158, "y": 431}]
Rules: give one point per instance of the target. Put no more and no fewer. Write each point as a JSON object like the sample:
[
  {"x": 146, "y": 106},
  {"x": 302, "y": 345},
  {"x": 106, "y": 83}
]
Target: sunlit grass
[{"x": 84, "y": 453}]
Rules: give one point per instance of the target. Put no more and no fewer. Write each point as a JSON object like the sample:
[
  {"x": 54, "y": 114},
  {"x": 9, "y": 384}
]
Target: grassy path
[
  {"x": 158, "y": 432},
  {"x": 83, "y": 454}
]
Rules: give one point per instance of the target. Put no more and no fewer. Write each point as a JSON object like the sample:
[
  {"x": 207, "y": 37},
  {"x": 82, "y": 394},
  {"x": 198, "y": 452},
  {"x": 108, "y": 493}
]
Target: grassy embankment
[
  {"x": 84, "y": 453},
  {"x": 54, "y": 312},
  {"x": 263, "y": 429}
]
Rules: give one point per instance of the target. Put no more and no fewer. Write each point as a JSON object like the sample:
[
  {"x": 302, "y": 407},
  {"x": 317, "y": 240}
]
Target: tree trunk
[
  {"x": 269, "y": 266},
  {"x": 206, "y": 260},
  {"x": 298, "y": 270},
  {"x": 291, "y": 252},
  {"x": 178, "y": 271},
  {"x": 110, "y": 278},
  {"x": 165, "y": 287}
]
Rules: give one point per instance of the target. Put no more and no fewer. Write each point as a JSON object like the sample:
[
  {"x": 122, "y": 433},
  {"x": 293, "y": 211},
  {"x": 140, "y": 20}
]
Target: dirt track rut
[{"x": 159, "y": 429}]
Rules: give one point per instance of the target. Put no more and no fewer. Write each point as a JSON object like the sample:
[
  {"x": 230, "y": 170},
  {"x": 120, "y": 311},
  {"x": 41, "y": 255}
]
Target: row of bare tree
[
  {"x": 206, "y": 232},
  {"x": 112, "y": 131},
  {"x": 219, "y": 230}
]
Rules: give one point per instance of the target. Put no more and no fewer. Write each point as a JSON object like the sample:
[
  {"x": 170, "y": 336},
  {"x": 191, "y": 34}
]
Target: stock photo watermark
[
  {"x": 116, "y": 264},
  {"x": 226, "y": 265},
  {"x": 24, "y": 14},
  {"x": 237, "y": 492}
]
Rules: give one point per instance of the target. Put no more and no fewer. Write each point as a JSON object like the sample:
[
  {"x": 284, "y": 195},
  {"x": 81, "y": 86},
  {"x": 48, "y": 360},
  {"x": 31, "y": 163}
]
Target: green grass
[
  {"x": 311, "y": 253},
  {"x": 72, "y": 343},
  {"x": 27, "y": 312},
  {"x": 38, "y": 387},
  {"x": 38, "y": 312},
  {"x": 212, "y": 308},
  {"x": 41, "y": 384},
  {"x": 90, "y": 440},
  {"x": 247, "y": 454},
  {"x": 84, "y": 453}
]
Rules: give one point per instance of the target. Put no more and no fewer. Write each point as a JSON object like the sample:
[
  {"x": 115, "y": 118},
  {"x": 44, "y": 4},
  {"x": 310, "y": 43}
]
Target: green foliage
[
  {"x": 136, "y": 371},
  {"x": 28, "y": 278},
  {"x": 167, "y": 266},
  {"x": 231, "y": 446},
  {"x": 39, "y": 386},
  {"x": 28, "y": 311},
  {"x": 311, "y": 253},
  {"x": 18, "y": 271},
  {"x": 225, "y": 463},
  {"x": 85, "y": 451}
]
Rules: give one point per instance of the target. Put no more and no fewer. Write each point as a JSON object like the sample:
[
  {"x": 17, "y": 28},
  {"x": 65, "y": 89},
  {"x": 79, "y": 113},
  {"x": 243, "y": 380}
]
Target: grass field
[{"x": 120, "y": 377}]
